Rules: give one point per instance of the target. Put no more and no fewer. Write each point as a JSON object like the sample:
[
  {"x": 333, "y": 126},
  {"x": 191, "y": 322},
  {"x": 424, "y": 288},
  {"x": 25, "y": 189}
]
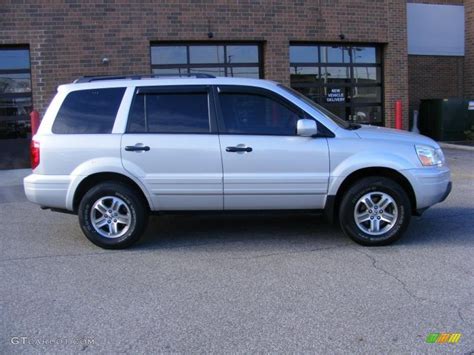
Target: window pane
[
  {"x": 15, "y": 132},
  {"x": 372, "y": 94},
  {"x": 136, "y": 116},
  {"x": 15, "y": 83},
  {"x": 14, "y": 59},
  {"x": 242, "y": 54},
  {"x": 367, "y": 75},
  {"x": 168, "y": 55},
  {"x": 304, "y": 75},
  {"x": 364, "y": 55},
  {"x": 206, "y": 54},
  {"x": 334, "y": 95},
  {"x": 303, "y": 54},
  {"x": 211, "y": 71},
  {"x": 336, "y": 75},
  {"x": 14, "y": 117},
  {"x": 177, "y": 113},
  {"x": 244, "y": 72},
  {"x": 256, "y": 114},
  {"x": 330, "y": 54},
  {"x": 170, "y": 71},
  {"x": 88, "y": 111},
  {"x": 299, "y": 70},
  {"x": 340, "y": 111},
  {"x": 369, "y": 114}
]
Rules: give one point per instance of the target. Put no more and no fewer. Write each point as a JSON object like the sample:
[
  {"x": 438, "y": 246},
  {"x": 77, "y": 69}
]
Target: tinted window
[
  {"x": 169, "y": 113},
  {"x": 88, "y": 111},
  {"x": 256, "y": 114}
]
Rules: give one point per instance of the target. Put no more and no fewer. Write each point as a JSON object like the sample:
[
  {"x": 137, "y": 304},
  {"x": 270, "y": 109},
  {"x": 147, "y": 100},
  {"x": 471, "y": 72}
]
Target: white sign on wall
[{"x": 435, "y": 29}]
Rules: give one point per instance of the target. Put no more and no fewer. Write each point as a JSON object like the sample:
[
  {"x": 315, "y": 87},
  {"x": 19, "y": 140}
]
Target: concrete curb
[{"x": 455, "y": 146}]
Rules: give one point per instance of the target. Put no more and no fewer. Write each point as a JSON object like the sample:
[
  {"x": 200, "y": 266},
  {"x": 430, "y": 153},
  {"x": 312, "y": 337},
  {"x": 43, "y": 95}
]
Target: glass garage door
[
  {"x": 15, "y": 106},
  {"x": 221, "y": 59},
  {"x": 347, "y": 79}
]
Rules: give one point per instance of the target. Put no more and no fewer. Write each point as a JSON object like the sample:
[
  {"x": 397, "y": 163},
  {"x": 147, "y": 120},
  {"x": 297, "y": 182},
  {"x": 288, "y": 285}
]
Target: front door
[
  {"x": 172, "y": 147},
  {"x": 266, "y": 165}
]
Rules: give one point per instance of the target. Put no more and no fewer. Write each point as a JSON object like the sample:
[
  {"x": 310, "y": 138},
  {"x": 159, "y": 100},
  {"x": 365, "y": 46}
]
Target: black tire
[
  {"x": 137, "y": 211},
  {"x": 374, "y": 185}
]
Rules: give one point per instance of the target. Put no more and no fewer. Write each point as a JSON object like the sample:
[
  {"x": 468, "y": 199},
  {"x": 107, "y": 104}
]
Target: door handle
[
  {"x": 238, "y": 149},
  {"x": 137, "y": 148}
]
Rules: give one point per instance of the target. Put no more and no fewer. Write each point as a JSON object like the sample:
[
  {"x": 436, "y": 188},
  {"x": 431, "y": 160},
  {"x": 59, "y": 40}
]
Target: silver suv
[{"x": 114, "y": 149}]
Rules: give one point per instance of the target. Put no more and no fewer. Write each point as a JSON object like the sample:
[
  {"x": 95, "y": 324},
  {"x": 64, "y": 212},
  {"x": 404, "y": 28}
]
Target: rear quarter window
[{"x": 88, "y": 111}]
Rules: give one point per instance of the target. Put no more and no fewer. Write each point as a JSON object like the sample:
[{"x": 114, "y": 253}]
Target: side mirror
[{"x": 306, "y": 127}]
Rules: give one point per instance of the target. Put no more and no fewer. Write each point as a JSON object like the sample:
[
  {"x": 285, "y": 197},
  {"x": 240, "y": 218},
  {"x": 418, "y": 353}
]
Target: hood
[{"x": 382, "y": 133}]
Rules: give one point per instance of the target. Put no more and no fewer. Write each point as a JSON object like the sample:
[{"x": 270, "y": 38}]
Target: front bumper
[{"x": 431, "y": 185}]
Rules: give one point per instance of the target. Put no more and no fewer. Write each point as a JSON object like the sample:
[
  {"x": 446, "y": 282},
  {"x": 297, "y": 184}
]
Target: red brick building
[{"x": 354, "y": 50}]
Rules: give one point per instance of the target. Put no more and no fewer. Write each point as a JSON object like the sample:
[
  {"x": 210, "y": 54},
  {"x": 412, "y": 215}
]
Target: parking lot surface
[{"x": 241, "y": 283}]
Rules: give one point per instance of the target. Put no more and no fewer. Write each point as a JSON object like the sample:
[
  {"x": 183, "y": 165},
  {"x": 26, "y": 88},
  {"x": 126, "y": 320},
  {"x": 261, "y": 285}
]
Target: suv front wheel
[
  {"x": 375, "y": 211},
  {"x": 112, "y": 216}
]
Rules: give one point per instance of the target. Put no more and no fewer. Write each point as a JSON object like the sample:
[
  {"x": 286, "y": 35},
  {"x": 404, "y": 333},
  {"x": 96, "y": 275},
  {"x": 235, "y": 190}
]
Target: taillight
[{"x": 34, "y": 153}]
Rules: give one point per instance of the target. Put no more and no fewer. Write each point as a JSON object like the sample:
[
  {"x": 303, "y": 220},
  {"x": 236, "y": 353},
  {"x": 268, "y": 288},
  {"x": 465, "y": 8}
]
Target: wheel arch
[
  {"x": 335, "y": 200},
  {"x": 97, "y": 178}
]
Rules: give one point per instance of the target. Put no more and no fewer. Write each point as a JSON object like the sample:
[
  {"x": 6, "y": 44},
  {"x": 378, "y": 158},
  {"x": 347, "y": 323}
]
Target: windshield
[{"x": 339, "y": 121}]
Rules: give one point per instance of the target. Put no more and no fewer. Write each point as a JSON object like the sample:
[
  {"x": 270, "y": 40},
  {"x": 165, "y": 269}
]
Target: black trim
[
  {"x": 447, "y": 192},
  {"x": 329, "y": 209}
]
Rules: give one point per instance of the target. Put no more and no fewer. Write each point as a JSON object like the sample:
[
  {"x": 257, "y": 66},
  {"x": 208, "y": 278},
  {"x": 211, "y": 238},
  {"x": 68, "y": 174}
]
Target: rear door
[
  {"x": 172, "y": 146},
  {"x": 266, "y": 165}
]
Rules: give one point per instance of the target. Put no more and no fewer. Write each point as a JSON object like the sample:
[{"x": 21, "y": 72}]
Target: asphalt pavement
[{"x": 237, "y": 283}]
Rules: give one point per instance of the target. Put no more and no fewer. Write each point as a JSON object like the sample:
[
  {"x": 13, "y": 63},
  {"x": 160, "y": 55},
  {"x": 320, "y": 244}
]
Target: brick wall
[
  {"x": 434, "y": 77},
  {"x": 68, "y": 38},
  {"x": 469, "y": 50}
]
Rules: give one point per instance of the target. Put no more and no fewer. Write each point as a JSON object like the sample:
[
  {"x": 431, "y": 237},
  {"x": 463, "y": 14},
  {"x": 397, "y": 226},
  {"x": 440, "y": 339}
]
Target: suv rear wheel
[
  {"x": 375, "y": 211},
  {"x": 112, "y": 216}
]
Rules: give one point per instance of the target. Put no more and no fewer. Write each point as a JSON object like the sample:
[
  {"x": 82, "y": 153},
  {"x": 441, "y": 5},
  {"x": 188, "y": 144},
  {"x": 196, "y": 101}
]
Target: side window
[
  {"x": 88, "y": 111},
  {"x": 169, "y": 113},
  {"x": 248, "y": 113}
]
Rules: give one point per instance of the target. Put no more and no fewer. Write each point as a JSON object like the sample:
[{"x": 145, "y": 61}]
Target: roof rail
[{"x": 88, "y": 79}]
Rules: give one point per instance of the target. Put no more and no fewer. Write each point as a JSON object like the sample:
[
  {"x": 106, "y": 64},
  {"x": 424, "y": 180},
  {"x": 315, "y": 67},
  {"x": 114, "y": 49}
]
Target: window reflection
[
  {"x": 237, "y": 60},
  {"x": 242, "y": 54},
  {"x": 245, "y": 72},
  {"x": 368, "y": 114},
  {"x": 333, "y": 54},
  {"x": 303, "y": 54},
  {"x": 15, "y": 83},
  {"x": 14, "y": 58},
  {"x": 367, "y": 75},
  {"x": 335, "y": 74},
  {"x": 364, "y": 55},
  {"x": 168, "y": 55},
  {"x": 206, "y": 54},
  {"x": 346, "y": 79},
  {"x": 15, "y": 106}
]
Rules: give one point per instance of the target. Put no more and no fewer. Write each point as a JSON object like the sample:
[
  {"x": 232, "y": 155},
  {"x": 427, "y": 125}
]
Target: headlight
[{"x": 429, "y": 156}]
